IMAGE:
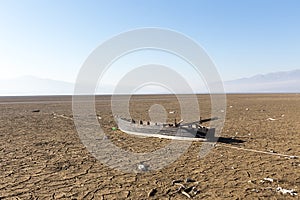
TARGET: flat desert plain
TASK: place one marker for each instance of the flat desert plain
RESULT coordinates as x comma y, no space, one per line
42,157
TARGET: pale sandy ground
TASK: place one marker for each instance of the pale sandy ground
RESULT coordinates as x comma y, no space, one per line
42,157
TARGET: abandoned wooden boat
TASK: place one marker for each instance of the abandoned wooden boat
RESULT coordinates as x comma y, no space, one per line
179,131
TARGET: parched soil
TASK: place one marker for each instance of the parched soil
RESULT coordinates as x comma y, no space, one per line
42,156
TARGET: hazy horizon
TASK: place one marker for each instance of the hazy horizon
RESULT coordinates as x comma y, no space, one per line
274,82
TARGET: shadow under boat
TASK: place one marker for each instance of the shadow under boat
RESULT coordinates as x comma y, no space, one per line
229,140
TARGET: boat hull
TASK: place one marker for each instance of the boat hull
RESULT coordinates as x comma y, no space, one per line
160,131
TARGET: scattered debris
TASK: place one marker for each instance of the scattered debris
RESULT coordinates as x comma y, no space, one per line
247,109
195,191
142,167
282,115
222,111
272,151
230,106
36,110
187,191
99,117
105,137
114,128
267,180
255,190
62,116
180,184
152,192
186,194
180,188
172,112
293,157
236,133
285,191
271,119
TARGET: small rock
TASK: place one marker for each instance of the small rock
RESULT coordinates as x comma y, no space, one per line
36,110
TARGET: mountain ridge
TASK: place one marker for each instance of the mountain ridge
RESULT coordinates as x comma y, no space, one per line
274,82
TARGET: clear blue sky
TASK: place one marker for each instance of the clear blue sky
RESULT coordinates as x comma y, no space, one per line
52,38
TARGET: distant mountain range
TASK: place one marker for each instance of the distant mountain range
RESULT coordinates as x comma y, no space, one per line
30,85
277,82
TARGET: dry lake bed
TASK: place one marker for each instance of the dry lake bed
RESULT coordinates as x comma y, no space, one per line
257,156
